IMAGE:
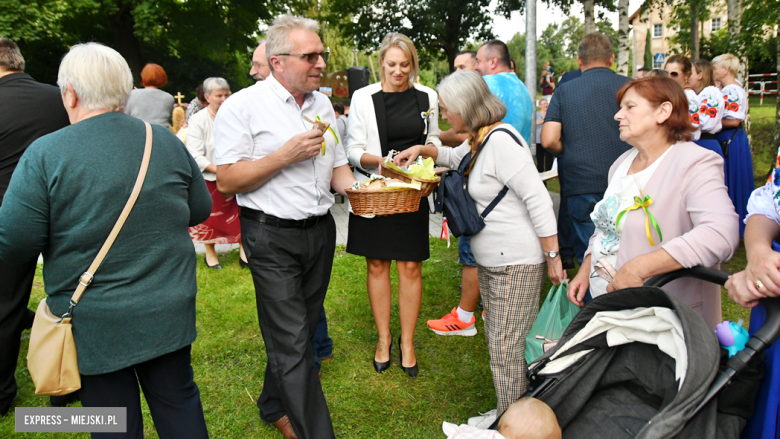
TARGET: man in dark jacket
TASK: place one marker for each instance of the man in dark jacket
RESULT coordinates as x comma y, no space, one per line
33,110
581,131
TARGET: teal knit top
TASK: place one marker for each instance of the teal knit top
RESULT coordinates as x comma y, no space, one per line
65,196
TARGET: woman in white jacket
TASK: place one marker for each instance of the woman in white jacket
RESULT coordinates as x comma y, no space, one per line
223,226
394,114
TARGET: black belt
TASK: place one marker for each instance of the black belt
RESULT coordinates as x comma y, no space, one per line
270,220
708,136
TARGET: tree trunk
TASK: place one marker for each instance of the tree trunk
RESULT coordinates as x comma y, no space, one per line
451,52
530,60
734,15
694,33
125,40
623,43
590,17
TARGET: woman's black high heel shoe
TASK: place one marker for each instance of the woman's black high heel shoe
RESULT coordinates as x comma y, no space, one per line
380,367
411,371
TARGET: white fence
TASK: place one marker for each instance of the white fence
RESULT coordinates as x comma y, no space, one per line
762,81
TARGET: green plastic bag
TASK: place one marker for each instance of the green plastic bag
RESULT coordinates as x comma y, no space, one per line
554,316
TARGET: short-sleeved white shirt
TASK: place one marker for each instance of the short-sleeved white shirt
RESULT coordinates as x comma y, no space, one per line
735,102
257,121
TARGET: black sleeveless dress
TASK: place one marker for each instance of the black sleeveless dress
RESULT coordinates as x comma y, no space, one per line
404,236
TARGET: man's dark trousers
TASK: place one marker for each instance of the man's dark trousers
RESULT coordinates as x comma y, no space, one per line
565,233
14,317
321,343
582,227
291,270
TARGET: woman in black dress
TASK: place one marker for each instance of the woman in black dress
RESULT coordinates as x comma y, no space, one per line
392,115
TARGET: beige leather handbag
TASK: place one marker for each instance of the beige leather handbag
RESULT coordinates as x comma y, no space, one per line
51,358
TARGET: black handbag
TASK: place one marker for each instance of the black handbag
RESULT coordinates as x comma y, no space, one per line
453,199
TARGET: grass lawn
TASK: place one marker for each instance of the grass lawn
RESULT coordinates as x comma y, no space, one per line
454,381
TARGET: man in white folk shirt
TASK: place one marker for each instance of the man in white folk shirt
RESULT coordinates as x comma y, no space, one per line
268,154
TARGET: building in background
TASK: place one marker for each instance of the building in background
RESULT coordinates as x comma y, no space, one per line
656,23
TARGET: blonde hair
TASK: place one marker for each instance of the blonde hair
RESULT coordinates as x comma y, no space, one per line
178,116
729,62
400,41
529,418
278,36
466,94
98,74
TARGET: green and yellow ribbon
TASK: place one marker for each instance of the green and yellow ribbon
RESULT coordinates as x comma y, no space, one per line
643,204
332,132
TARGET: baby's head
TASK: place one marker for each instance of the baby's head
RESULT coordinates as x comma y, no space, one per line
529,418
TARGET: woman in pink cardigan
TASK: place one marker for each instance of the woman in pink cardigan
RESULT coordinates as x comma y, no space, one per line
666,206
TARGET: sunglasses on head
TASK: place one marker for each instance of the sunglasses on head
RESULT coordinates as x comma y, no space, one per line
312,58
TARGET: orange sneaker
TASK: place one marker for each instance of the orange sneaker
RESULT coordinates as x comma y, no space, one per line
452,325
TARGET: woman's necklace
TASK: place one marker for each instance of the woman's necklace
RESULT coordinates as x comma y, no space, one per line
211,113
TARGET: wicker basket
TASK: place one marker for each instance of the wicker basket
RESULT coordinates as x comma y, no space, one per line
427,185
384,201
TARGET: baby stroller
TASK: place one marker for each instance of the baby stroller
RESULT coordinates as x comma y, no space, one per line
651,373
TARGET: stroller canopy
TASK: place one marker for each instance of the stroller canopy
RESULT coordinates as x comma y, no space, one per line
633,363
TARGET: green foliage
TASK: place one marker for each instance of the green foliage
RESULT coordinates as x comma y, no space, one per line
681,16
756,40
648,59
558,44
191,39
438,27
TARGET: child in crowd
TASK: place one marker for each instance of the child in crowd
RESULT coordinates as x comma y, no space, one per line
527,418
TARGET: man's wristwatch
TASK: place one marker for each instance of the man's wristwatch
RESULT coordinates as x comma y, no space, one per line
551,254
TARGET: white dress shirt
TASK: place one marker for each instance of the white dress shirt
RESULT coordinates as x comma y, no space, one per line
257,121
200,142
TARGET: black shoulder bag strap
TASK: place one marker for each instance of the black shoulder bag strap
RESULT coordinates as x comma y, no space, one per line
503,192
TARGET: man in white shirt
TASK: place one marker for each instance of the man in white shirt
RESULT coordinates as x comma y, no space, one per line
282,170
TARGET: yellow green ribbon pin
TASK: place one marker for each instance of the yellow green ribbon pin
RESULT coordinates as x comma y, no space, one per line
332,132
643,204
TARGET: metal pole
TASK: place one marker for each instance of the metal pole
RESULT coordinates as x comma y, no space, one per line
530,61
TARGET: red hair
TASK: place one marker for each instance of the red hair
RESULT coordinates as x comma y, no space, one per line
153,75
658,90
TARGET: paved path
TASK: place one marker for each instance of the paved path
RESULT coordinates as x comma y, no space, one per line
340,213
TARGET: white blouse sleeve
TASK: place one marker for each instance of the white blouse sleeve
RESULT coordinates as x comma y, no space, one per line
765,200
761,202
693,111
357,130
451,157
711,107
433,120
196,142
735,102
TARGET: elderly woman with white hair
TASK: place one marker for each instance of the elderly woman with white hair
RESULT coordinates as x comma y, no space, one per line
224,225
519,242
135,323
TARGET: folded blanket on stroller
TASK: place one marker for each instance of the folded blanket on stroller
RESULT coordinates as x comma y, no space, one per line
655,325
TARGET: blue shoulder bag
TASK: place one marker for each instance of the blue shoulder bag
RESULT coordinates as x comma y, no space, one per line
453,199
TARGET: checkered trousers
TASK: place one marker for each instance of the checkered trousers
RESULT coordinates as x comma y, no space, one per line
510,295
